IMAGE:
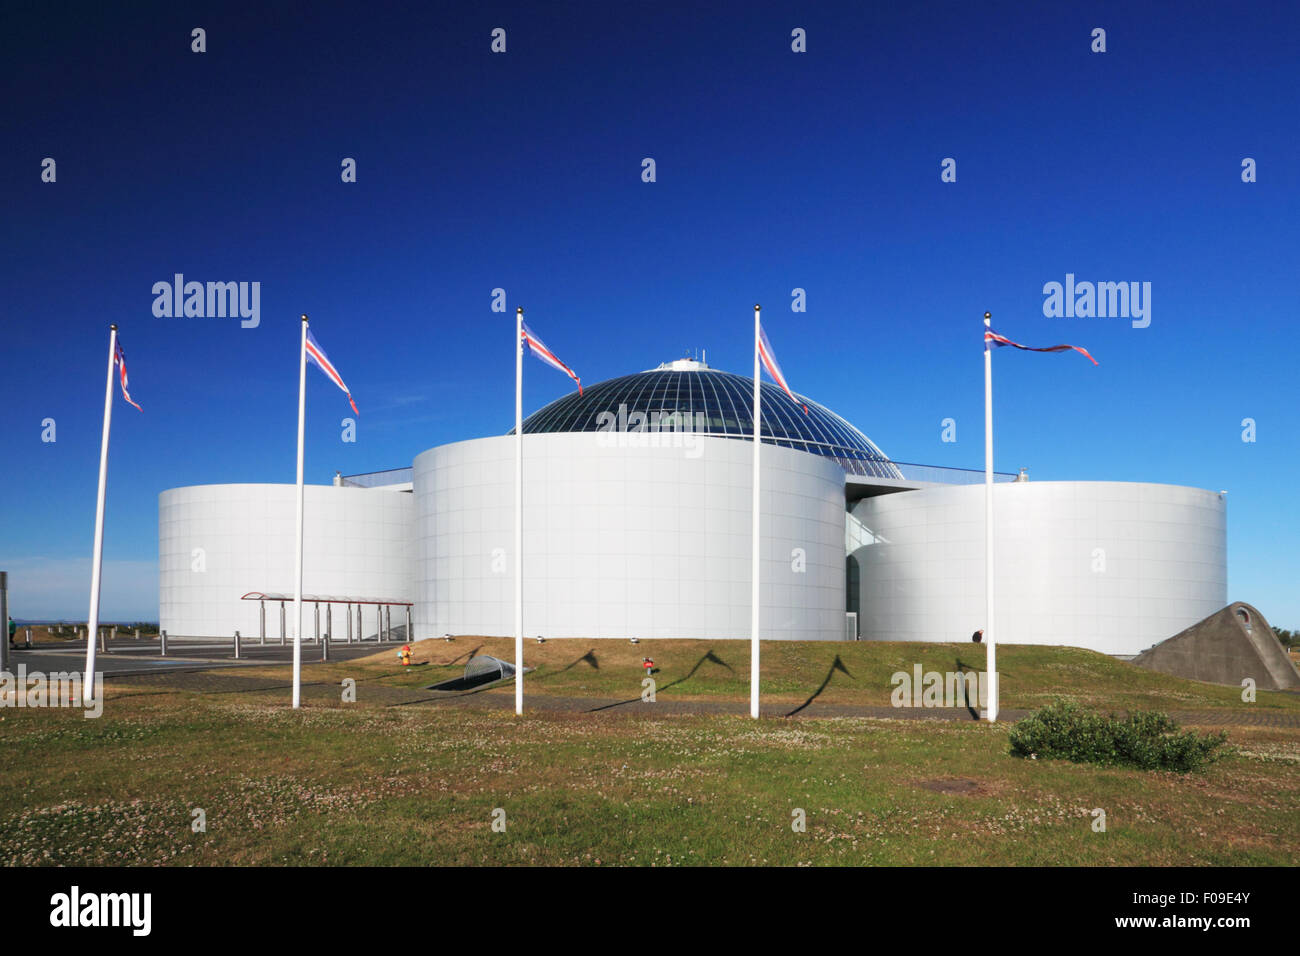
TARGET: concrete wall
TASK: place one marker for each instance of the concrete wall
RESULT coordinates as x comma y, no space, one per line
1225,648
356,542
622,538
1112,566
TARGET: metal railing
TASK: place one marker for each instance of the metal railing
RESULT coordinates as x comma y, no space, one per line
376,479
942,474
866,467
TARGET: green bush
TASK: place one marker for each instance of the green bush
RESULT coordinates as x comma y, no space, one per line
1147,740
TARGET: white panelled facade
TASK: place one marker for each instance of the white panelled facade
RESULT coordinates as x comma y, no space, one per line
1111,566
218,542
626,537
637,523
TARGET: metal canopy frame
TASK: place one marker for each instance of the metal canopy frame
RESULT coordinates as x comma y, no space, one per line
383,614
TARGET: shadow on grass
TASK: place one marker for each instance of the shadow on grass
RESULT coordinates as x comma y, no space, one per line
589,658
836,665
709,657
971,708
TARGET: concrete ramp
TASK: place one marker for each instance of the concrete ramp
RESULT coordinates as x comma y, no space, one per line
1225,648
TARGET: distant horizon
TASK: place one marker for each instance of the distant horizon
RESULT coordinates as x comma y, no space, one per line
24,622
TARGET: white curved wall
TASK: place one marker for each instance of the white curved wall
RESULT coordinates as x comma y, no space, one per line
623,539
1111,566
356,542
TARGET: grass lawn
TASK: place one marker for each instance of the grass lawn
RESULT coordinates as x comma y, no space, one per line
792,671
377,783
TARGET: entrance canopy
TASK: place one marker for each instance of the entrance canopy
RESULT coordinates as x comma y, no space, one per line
323,599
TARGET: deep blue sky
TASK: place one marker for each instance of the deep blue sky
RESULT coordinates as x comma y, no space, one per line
775,170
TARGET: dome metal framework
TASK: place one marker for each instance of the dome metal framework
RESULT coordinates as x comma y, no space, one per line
715,404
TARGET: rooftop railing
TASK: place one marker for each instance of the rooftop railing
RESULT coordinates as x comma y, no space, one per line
937,474
864,467
376,479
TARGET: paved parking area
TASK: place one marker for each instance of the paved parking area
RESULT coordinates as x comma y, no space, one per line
129,657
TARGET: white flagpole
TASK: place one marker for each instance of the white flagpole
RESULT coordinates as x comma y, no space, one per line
297,566
989,635
96,563
519,511
754,568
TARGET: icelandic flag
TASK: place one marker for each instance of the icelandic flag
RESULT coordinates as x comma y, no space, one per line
991,338
768,358
317,355
120,358
538,348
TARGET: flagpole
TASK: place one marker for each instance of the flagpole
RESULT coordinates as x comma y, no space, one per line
519,511
989,634
754,566
96,563
297,566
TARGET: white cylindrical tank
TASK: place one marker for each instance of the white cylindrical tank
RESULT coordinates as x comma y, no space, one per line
218,542
628,535
1111,566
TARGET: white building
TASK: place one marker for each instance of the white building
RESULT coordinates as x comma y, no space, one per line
637,502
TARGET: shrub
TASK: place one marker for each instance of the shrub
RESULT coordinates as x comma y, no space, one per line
1145,739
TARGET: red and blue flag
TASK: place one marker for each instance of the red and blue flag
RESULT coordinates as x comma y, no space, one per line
120,358
538,348
992,338
768,358
316,355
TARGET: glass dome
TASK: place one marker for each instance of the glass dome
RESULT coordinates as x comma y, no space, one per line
713,403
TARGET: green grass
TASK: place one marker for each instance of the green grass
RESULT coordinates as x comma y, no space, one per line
1031,676
366,783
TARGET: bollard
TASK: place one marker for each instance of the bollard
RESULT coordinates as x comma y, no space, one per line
236,645
137,634
261,621
325,647
103,640
162,642
29,638
282,610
